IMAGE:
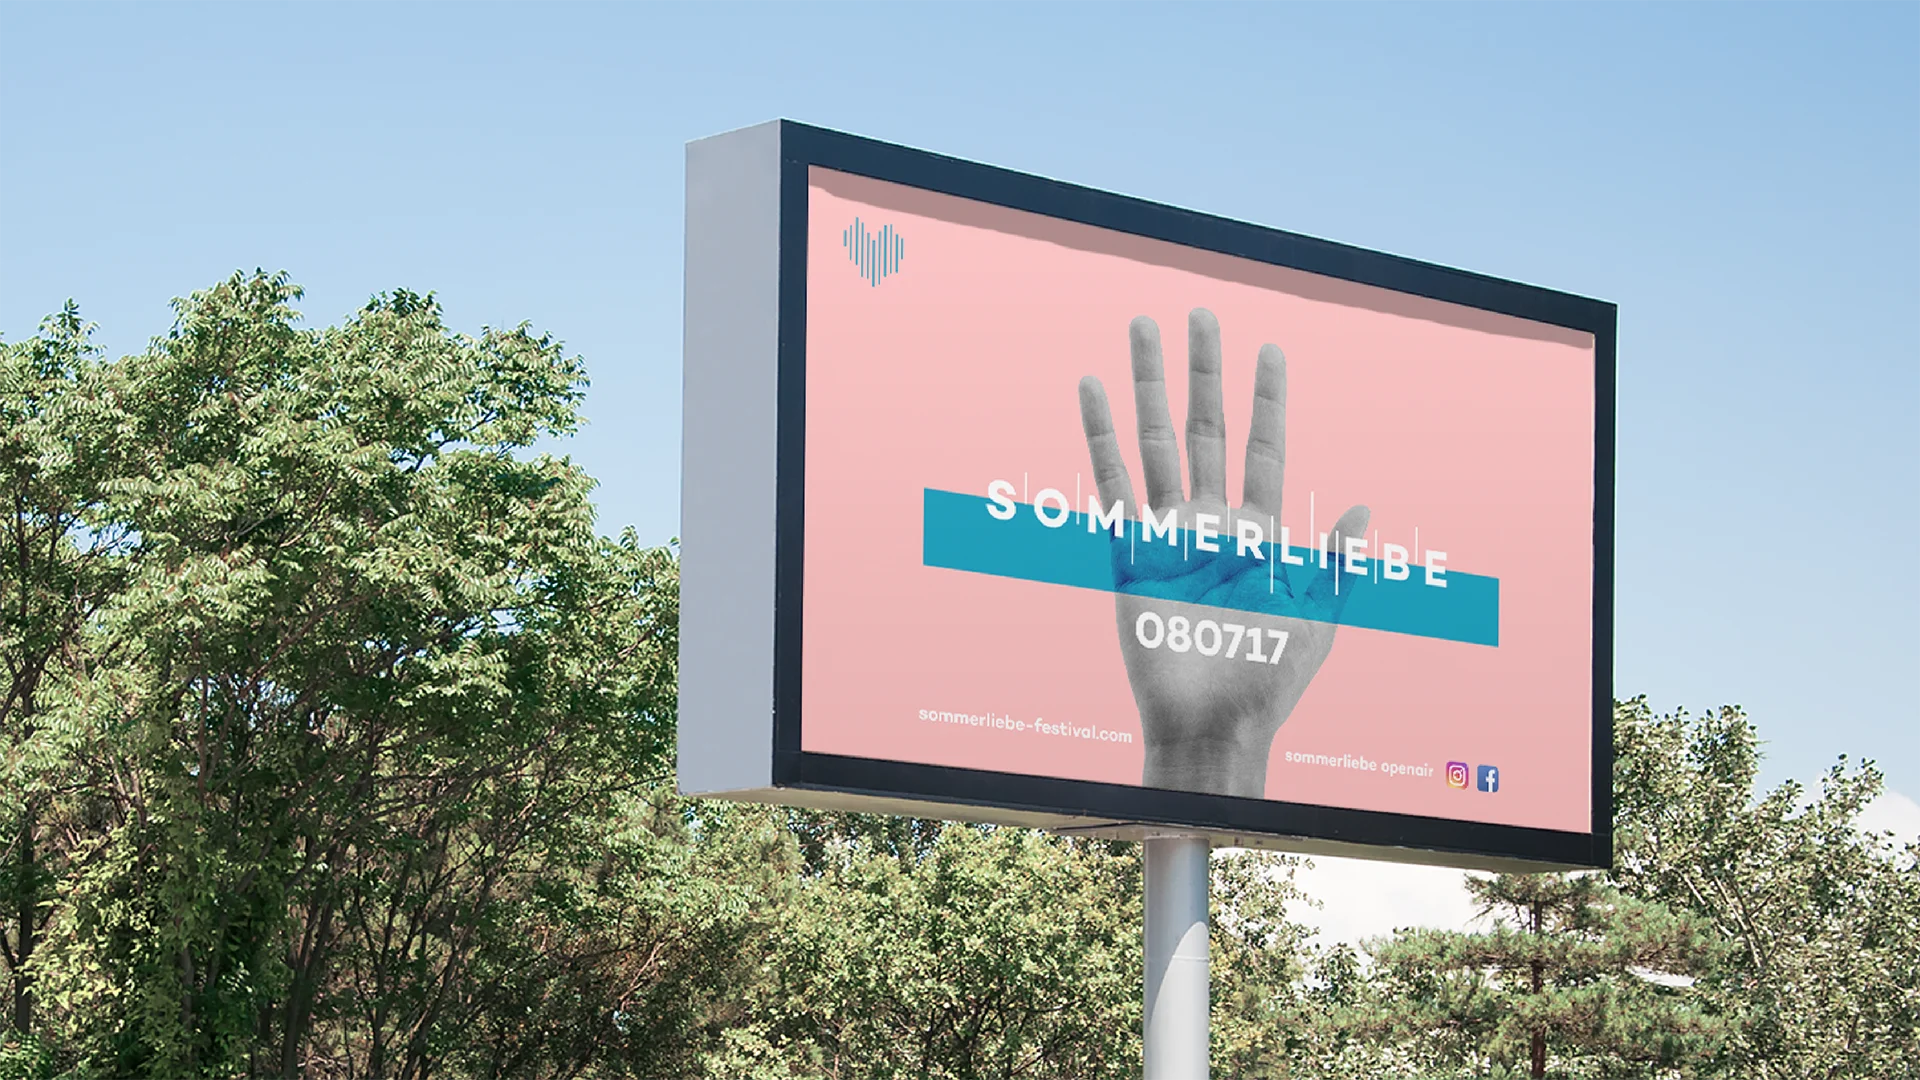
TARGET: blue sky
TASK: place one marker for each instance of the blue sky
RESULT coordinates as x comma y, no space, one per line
1744,181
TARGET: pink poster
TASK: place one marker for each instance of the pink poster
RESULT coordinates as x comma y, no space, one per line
1085,505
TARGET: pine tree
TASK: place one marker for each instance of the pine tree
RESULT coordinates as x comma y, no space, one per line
1569,971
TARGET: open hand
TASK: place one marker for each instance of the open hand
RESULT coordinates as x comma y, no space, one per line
1209,720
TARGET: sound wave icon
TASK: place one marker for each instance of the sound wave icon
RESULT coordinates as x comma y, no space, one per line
875,254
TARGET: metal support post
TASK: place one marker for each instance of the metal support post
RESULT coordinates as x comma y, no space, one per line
1177,991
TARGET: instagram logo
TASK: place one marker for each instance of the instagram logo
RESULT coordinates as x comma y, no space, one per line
1457,774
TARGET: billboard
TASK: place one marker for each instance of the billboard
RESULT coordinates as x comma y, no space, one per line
1016,501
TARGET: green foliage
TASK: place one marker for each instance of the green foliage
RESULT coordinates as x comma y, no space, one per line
917,948
358,738
63,561
979,952
1823,973
1569,968
1799,933
336,742
1258,957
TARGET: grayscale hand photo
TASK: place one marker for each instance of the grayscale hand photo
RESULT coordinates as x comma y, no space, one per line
1208,726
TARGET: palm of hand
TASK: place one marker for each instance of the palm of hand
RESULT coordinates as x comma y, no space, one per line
1236,702
1209,718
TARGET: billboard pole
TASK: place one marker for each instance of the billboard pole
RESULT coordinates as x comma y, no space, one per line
1175,1034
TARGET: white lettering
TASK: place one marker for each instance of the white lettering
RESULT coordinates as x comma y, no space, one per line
1356,562
1249,537
1393,562
1285,546
1205,534
1001,493
1111,520
1039,508
1156,527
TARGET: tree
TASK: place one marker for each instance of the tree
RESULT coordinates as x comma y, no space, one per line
1824,973
1570,968
1813,931
60,562
922,948
378,721
1260,1020
972,952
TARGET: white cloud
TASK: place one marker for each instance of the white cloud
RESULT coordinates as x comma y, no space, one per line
1360,898
1892,812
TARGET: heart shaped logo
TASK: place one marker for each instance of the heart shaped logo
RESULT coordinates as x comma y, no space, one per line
875,254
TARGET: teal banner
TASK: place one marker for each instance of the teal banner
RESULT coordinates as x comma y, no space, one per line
959,534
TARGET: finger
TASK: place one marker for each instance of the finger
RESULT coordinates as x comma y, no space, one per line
1323,594
1109,468
1206,417
1267,438
1159,450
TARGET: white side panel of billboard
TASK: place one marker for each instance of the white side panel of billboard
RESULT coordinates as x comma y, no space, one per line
730,368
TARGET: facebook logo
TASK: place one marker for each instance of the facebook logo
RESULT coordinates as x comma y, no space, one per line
1487,778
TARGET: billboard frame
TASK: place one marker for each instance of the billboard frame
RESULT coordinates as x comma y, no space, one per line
800,777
